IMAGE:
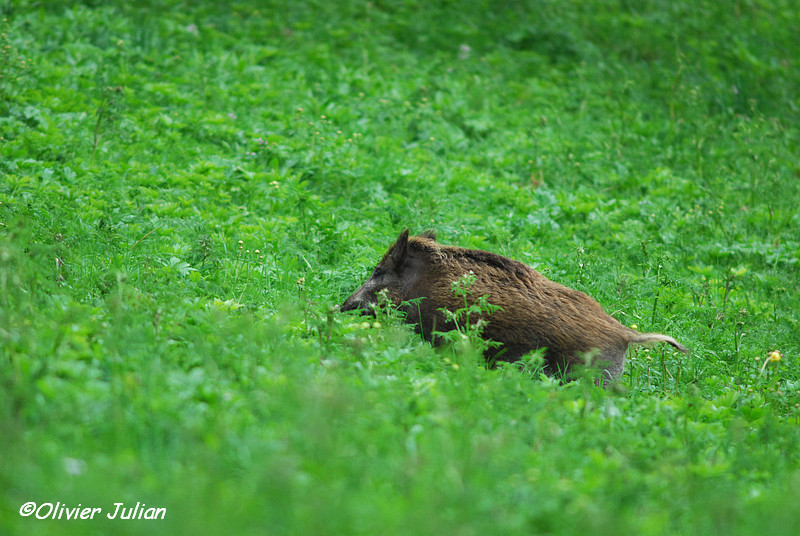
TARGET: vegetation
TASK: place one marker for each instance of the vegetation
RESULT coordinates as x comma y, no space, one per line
187,189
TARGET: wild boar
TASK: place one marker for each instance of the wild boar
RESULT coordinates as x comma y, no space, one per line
535,311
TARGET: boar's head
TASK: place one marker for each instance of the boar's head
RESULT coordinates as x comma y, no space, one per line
398,273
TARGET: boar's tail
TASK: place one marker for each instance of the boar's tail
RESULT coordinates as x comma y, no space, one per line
649,338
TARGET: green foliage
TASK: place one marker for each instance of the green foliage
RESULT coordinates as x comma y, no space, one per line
187,189
468,321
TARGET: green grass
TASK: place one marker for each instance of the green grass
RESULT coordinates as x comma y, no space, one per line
187,189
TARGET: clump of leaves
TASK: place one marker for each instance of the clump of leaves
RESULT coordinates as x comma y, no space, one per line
106,113
13,65
470,320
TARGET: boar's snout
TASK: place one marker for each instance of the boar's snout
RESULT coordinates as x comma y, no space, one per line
353,303
387,276
363,300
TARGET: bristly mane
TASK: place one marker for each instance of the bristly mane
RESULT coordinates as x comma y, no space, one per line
469,256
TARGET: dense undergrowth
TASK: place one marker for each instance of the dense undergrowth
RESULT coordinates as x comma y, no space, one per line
188,189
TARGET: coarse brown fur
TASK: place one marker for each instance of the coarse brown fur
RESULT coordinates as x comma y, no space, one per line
535,311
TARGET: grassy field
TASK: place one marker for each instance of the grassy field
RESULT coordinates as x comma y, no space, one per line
187,189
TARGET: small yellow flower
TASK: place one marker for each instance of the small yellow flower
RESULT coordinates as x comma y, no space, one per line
634,326
773,356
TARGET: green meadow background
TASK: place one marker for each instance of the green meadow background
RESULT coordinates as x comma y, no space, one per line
187,190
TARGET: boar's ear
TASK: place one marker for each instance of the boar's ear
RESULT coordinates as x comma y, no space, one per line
430,233
400,249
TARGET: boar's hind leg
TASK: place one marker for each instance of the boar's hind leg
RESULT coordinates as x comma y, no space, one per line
611,362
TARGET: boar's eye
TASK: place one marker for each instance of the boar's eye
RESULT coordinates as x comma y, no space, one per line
378,272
